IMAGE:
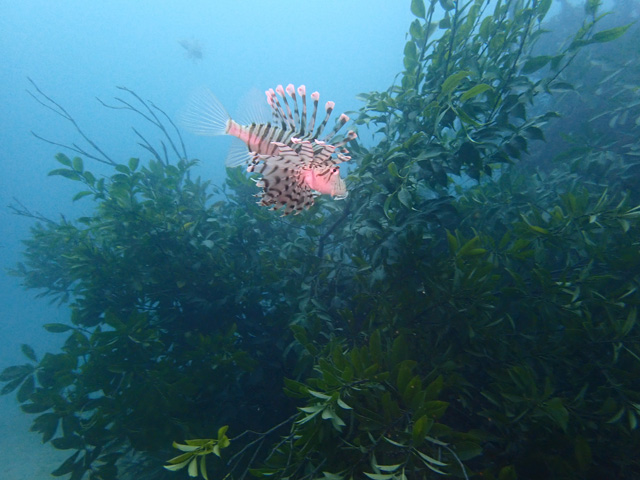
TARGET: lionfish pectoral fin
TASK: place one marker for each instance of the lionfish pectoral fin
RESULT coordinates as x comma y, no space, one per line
238,154
204,114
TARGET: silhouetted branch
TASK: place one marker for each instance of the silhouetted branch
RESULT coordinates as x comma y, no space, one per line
259,441
47,102
23,211
340,219
151,116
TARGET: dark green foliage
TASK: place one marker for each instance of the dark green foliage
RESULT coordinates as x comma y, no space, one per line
469,311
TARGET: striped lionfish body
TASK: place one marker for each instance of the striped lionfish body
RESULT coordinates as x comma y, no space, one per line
294,163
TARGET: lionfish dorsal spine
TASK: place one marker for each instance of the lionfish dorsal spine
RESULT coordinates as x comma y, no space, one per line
305,151
291,90
322,154
288,116
339,124
328,108
278,113
351,135
302,91
315,96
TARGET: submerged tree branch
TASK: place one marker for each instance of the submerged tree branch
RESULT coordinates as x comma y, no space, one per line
339,220
47,102
151,116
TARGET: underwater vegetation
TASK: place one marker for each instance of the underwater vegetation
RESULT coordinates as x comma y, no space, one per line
469,311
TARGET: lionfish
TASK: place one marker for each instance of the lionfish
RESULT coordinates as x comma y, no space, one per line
294,163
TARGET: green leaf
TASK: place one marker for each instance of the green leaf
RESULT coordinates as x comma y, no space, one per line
203,467
388,468
451,83
416,30
133,164
186,448
582,453
430,461
224,442
485,27
343,405
28,352
433,389
67,466
633,419
474,91
435,408
36,407
629,322
16,372
386,207
47,425
379,476
591,7
88,176
393,169
63,172
68,443
536,63
543,8
405,197
609,35
467,450
453,243
222,431
193,467
11,386
63,159
508,473
57,327
417,8
534,133
618,415
414,386
538,229
420,429
26,389
78,165
557,412
447,4
319,395
81,194
392,442
467,247
180,461
410,55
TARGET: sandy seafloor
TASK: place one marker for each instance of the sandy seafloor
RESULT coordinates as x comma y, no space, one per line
23,456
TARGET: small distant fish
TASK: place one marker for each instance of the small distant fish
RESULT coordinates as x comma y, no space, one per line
193,49
294,164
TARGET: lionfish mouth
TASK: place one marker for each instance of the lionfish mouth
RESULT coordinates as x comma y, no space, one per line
342,196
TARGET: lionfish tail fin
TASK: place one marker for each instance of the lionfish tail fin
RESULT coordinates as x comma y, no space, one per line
205,115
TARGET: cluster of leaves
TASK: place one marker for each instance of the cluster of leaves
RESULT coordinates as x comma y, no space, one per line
470,309
175,308
367,412
520,290
198,449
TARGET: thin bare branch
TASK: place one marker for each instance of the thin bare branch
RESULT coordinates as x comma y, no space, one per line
150,113
58,109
